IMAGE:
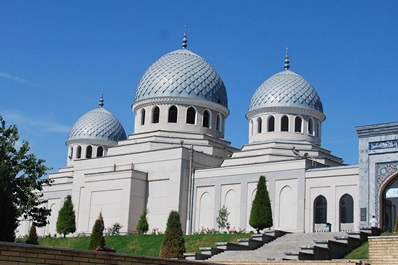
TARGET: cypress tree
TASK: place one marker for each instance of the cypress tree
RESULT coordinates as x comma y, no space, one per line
32,238
142,225
97,234
173,245
66,221
261,212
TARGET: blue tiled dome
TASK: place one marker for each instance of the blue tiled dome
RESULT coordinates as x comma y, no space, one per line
286,89
182,73
97,125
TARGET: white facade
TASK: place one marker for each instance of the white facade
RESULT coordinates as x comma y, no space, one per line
177,158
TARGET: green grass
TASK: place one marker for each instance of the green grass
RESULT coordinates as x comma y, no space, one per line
143,245
362,252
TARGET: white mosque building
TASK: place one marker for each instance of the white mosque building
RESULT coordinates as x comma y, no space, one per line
177,158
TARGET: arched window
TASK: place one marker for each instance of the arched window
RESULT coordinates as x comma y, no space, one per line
346,206
155,114
172,114
297,124
219,123
100,151
78,151
310,127
89,151
191,115
285,124
271,124
142,116
206,119
259,125
71,152
320,210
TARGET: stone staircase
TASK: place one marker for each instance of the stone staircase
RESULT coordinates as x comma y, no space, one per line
279,245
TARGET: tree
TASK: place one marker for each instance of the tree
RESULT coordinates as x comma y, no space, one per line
21,184
97,234
66,221
32,238
222,218
142,225
173,245
261,212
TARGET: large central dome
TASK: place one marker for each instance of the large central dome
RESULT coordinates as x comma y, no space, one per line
182,73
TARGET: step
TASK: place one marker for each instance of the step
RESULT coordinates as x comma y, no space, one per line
263,238
250,243
231,246
195,256
210,250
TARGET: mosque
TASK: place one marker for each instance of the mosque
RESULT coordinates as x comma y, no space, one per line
177,158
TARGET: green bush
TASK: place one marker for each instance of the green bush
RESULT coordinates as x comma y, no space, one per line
142,225
97,235
261,212
173,245
66,221
32,238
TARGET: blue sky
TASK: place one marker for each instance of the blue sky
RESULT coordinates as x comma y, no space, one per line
56,58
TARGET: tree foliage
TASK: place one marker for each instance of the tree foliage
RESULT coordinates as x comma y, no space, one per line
222,218
173,245
261,212
21,184
33,239
97,234
142,225
66,221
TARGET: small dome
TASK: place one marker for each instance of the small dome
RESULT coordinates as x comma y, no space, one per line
182,73
286,89
97,126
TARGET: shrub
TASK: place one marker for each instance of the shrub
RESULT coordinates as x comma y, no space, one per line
173,245
222,219
261,212
66,221
142,225
97,235
32,238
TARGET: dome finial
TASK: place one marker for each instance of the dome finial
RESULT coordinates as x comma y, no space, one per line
101,101
184,40
287,62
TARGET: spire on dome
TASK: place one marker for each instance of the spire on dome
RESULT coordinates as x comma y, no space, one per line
287,62
184,40
101,101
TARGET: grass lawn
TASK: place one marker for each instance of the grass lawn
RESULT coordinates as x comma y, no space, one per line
143,245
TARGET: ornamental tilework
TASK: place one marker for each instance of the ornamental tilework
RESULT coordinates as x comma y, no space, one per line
383,145
383,171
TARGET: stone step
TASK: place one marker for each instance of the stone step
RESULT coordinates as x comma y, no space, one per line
195,256
250,243
210,250
231,246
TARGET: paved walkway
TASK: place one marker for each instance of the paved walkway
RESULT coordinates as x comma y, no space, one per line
277,248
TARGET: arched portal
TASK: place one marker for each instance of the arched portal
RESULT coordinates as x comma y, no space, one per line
320,213
389,204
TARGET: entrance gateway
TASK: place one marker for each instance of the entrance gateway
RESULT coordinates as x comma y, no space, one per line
378,174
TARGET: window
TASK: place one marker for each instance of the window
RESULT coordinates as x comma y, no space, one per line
89,151
320,210
142,116
219,123
206,119
285,124
100,151
297,124
191,115
155,114
78,151
172,114
346,209
71,153
310,127
259,125
271,124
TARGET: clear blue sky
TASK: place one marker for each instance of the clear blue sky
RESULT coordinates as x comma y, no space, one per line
56,57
